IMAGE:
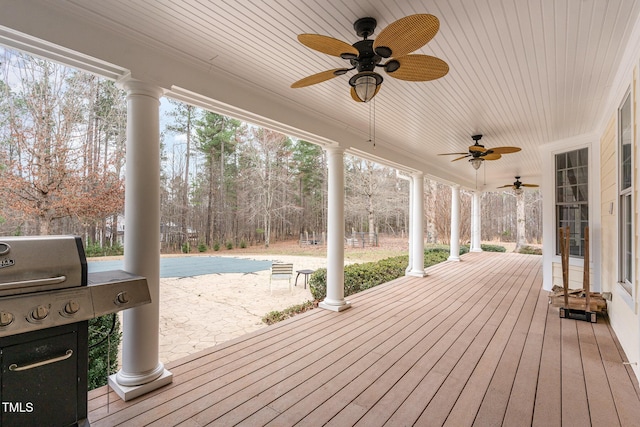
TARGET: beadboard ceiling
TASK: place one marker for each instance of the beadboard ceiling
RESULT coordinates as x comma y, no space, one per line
522,73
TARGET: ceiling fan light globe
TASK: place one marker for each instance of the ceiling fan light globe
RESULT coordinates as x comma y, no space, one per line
476,162
365,85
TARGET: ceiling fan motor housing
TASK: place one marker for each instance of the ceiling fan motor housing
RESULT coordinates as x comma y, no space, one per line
517,184
367,58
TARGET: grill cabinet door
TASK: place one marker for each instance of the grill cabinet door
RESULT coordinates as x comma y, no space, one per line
40,395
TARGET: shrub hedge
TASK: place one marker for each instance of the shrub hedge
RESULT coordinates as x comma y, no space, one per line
359,277
530,250
488,248
277,316
102,350
93,249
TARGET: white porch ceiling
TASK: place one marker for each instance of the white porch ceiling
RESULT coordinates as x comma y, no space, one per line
522,73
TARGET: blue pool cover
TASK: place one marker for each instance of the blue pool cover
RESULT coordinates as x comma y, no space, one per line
191,266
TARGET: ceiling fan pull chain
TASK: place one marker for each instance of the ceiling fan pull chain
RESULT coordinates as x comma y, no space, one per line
374,123
369,129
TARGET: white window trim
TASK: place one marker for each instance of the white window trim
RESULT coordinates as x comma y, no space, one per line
588,203
620,289
549,258
573,261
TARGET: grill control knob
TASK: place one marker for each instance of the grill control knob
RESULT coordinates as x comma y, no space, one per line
71,307
6,318
40,312
122,298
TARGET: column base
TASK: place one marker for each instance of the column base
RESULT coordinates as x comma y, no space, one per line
453,258
417,273
476,250
336,308
131,392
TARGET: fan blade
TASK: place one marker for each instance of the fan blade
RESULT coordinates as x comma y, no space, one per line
529,185
316,78
451,154
492,156
460,158
326,44
355,97
477,148
405,35
506,150
419,68
506,186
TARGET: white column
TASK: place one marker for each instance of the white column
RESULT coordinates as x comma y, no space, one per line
141,370
417,221
521,228
475,223
335,232
454,254
411,225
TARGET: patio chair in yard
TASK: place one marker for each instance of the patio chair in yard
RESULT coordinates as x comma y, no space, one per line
281,272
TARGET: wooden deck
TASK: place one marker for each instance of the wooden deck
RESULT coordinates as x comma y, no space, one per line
473,343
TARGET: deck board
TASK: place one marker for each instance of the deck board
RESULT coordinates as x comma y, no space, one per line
495,373
473,343
548,397
622,388
440,406
575,407
602,408
440,360
521,397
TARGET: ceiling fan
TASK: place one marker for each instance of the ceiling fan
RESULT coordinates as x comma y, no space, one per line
396,42
478,153
518,185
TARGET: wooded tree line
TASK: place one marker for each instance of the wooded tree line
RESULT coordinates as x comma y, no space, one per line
62,145
62,137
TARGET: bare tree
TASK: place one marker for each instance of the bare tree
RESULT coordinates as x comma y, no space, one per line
184,116
44,176
266,157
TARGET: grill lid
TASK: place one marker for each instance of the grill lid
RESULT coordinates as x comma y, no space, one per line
41,263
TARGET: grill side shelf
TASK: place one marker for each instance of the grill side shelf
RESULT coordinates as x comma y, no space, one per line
116,290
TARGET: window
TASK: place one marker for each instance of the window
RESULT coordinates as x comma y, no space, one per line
625,191
572,198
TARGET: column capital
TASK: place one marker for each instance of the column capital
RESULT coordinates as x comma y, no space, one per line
335,149
139,87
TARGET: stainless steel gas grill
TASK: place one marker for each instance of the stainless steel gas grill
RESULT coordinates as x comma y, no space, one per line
46,300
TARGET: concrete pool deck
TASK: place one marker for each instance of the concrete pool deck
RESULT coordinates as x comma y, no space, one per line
199,312
202,311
